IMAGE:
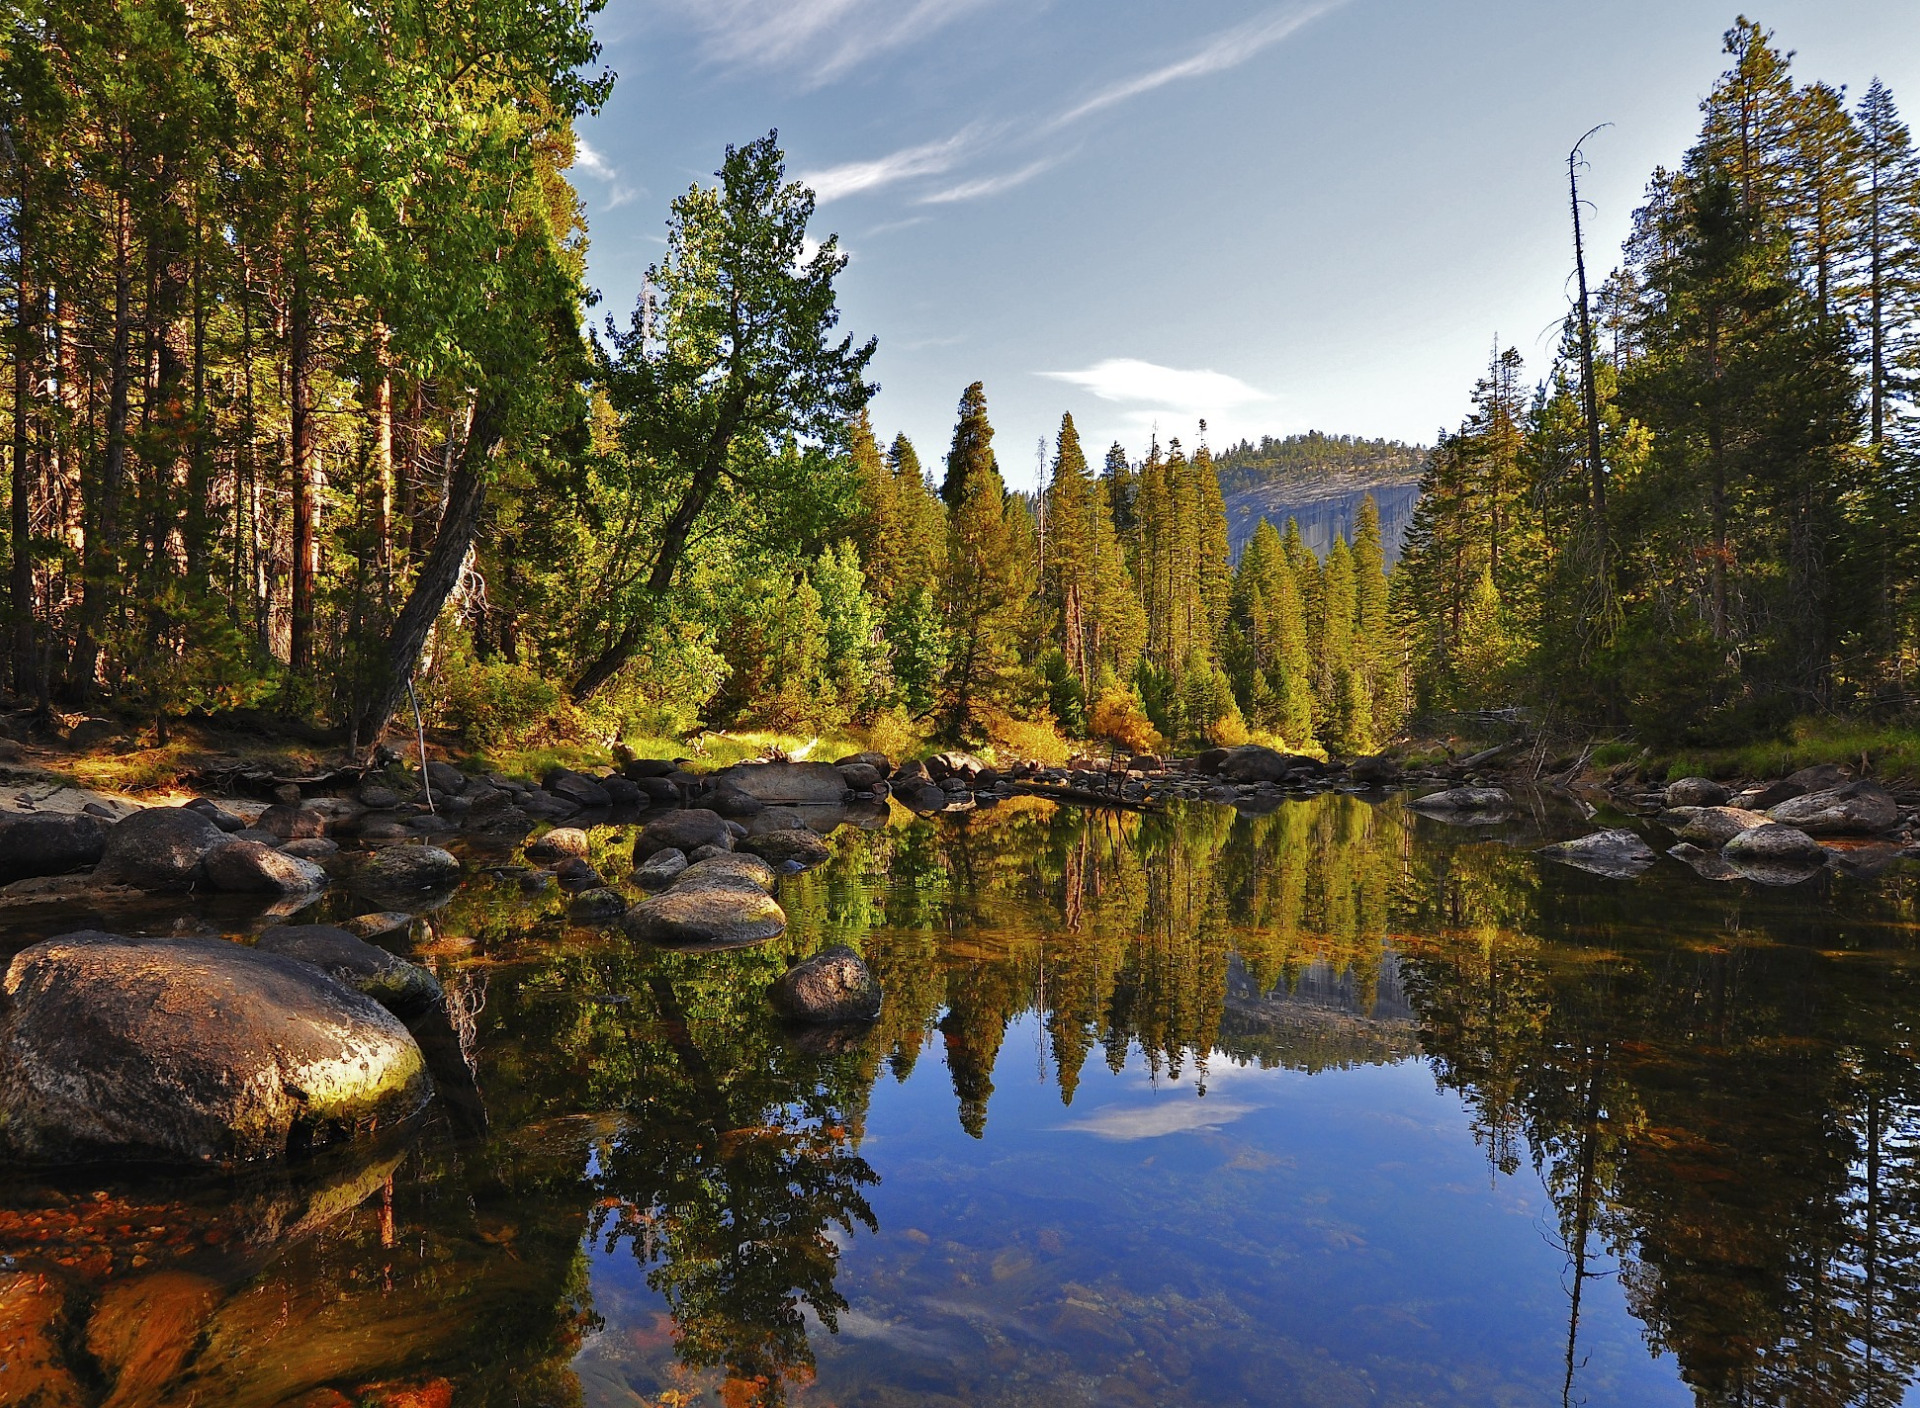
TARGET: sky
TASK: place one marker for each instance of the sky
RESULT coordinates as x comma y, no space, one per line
1276,217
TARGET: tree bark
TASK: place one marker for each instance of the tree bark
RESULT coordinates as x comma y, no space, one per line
439,575
299,350
101,551
20,577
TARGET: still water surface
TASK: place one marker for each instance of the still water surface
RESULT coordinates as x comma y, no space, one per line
1337,1105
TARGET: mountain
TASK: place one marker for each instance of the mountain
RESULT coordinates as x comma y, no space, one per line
1320,480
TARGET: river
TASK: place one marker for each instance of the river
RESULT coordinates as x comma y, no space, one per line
1334,1105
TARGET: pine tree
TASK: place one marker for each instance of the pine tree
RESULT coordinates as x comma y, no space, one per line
989,582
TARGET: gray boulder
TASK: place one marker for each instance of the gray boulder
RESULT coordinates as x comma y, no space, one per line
403,988
192,1049
578,789
1375,771
707,916
732,803
681,831
805,784
292,823
700,853
792,849
48,843
1618,854
1715,826
1853,809
964,766
402,868
1772,844
833,986
622,792
372,926
860,777
220,816
447,780
561,841
1708,864
249,868
1696,792
920,796
1255,763
661,869
313,848
1488,802
161,848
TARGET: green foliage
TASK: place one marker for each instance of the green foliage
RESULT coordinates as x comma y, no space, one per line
494,704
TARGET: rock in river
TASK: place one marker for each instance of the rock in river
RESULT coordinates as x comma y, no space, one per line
247,867
404,989
685,831
1696,792
1774,853
726,870
660,869
1856,809
161,848
1465,802
1715,826
708,916
833,986
48,843
1618,853
192,1049
400,868
815,784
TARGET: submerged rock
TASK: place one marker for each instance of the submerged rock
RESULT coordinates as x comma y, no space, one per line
372,926
1618,854
247,867
1707,864
49,843
832,986
593,906
1855,809
193,1049
708,916
403,988
795,848
161,848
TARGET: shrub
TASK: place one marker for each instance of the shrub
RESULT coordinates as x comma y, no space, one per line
1119,717
495,704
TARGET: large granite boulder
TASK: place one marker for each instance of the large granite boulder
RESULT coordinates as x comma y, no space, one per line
579,789
1618,854
1853,809
660,869
558,843
403,988
292,823
1774,846
162,848
191,1049
250,868
802,784
49,843
1255,763
728,870
684,831
832,986
711,916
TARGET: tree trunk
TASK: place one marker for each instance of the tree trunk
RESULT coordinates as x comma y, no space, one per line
101,551
20,578
439,575
299,350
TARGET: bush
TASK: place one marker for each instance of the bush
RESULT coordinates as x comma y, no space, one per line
1119,717
494,704
1021,738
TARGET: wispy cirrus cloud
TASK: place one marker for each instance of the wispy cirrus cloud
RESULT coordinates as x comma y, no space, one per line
1157,1119
993,185
906,164
1170,399
813,41
1226,50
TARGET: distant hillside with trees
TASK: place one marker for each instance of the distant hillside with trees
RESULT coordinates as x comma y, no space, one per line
1320,481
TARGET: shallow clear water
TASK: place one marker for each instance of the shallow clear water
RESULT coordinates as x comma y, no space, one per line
1336,1105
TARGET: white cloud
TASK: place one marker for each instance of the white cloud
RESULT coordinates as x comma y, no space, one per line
1226,50
815,41
590,161
927,159
992,185
1129,380
1165,1116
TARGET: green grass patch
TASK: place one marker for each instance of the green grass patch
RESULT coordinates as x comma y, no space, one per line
1888,752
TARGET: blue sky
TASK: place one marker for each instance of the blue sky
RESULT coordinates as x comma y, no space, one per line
1275,216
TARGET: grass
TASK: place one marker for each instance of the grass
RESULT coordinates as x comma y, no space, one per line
1888,752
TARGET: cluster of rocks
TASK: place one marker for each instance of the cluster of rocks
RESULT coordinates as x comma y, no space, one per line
1250,777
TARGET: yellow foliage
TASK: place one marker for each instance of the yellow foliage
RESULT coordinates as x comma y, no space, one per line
1118,717
1022,738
